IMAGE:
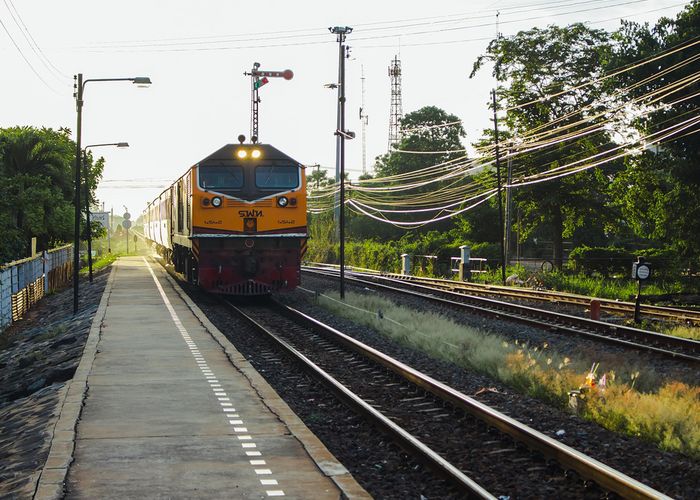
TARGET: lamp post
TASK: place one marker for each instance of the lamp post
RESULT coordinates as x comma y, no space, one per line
79,88
87,197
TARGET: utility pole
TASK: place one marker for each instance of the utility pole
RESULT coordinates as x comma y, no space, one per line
109,231
78,157
364,119
498,182
509,205
87,215
342,134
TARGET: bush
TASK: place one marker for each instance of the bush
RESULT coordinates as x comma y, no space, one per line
602,260
665,262
373,255
489,251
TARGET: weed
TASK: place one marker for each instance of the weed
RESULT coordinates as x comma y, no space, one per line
633,401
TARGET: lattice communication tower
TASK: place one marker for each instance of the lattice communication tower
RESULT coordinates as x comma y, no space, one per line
396,110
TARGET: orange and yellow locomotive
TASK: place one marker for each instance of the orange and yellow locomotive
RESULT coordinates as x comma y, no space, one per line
234,223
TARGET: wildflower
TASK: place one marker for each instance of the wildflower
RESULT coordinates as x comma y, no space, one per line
549,361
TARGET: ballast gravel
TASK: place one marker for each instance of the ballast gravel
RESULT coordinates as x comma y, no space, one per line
671,473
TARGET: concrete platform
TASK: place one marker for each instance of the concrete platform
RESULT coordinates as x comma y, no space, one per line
172,410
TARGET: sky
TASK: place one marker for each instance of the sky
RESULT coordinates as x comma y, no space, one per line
196,53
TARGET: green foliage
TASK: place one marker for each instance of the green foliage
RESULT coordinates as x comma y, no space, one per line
609,261
417,136
659,193
532,65
36,195
605,261
623,288
36,166
650,199
489,251
373,255
666,263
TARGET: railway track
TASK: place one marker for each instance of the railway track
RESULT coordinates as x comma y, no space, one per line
494,455
674,314
676,347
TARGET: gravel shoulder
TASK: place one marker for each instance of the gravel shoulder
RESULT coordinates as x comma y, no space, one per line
38,356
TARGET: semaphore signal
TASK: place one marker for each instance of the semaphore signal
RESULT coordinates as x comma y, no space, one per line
259,78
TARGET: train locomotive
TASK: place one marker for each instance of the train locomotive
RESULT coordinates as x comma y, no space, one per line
235,222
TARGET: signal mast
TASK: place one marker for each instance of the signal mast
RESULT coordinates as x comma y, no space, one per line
259,78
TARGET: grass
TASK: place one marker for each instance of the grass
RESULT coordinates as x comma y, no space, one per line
594,286
103,258
634,401
688,332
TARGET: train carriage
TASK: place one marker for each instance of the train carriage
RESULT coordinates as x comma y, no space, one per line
235,222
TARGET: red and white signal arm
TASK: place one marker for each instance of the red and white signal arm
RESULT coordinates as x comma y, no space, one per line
287,74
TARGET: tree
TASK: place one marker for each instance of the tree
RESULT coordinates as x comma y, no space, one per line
423,131
530,67
317,179
659,194
36,192
430,130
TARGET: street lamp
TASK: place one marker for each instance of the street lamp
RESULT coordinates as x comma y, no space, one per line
87,196
79,88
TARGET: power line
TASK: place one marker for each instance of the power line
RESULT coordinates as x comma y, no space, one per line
489,38
27,60
32,42
315,32
183,47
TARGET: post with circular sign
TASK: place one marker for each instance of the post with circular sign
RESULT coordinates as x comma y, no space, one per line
126,224
641,271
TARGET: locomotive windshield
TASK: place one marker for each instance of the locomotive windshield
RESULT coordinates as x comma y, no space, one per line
220,177
277,177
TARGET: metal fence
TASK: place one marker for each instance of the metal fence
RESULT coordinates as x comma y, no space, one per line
24,282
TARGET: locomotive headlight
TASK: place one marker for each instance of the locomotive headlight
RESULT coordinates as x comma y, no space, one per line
255,153
242,153
282,201
216,201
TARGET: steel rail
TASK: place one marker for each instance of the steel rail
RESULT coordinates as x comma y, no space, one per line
675,314
669,313
540,318
587,467
404,438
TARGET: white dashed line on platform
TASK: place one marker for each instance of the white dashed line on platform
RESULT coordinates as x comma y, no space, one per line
219,393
